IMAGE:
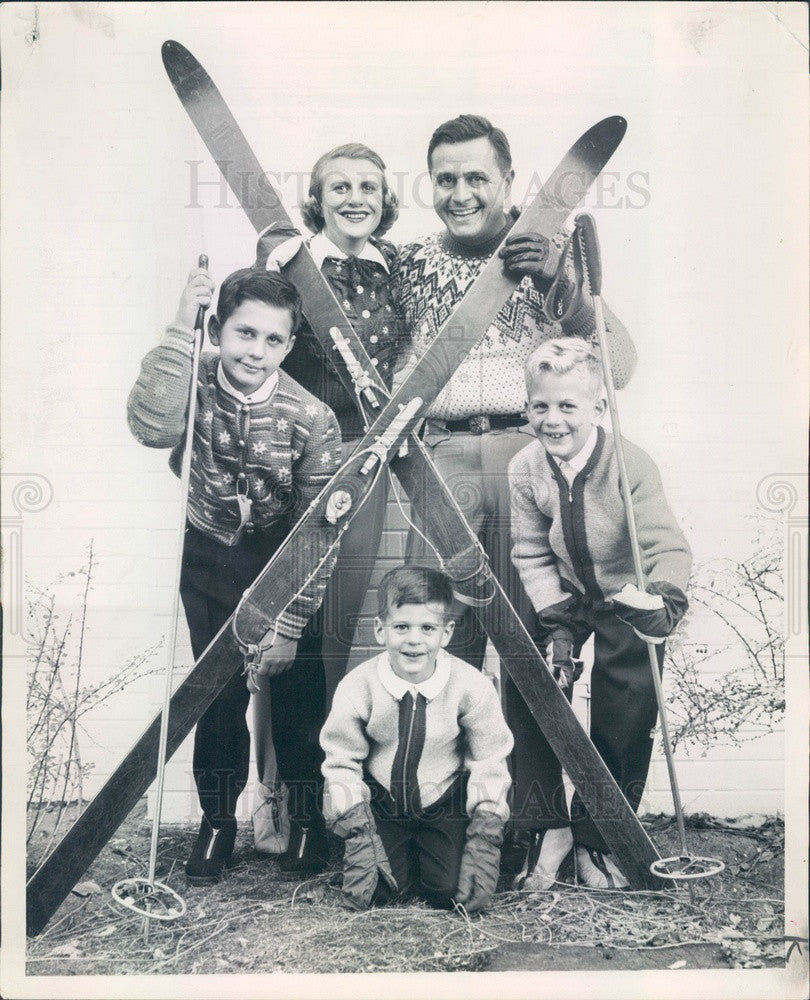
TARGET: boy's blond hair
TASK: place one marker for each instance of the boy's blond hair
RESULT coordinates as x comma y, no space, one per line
561,356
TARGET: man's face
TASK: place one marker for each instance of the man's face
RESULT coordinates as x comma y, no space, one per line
253,341
470,189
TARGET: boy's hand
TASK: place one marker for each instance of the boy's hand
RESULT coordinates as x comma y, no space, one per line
565,668
652,614
480,861
274,660
367,875
199,291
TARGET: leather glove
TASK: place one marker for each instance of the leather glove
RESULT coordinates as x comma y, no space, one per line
558,619
652,614
480,860
532,254
565,668
365,863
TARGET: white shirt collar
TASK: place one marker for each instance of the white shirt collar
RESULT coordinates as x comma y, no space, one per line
580,460
398,688
321,247
260,395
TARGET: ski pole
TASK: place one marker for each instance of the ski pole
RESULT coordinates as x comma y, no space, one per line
590,256
185,475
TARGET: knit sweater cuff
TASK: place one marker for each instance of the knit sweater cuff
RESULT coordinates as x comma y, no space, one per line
179,338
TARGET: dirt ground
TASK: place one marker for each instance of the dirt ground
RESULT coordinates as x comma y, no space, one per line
255,921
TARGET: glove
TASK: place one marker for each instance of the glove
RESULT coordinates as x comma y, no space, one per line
652,614
558,619
532,254
565,668
365,863
480,860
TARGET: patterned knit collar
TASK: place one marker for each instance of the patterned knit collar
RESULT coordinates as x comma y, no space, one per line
482,251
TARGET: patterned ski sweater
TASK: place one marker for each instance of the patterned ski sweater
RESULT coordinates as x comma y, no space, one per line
575,539
431,278
415,746
281,452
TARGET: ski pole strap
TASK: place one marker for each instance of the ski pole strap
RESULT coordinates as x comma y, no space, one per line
563,297
470,564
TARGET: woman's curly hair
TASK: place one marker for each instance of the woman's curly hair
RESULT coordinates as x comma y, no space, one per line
311,211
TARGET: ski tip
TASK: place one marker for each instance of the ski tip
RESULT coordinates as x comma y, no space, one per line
173,52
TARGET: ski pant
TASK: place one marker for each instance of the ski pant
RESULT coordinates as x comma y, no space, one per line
326,643
213,579
424,851
623,711
474,467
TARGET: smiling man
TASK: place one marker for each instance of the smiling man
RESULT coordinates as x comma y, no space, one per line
477,423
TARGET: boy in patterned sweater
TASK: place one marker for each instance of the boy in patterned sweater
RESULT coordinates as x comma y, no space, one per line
571,546
416,747
263,449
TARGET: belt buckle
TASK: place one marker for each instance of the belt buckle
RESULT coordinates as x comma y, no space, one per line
479,424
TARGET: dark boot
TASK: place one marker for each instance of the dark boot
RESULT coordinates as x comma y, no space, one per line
212,852
308,852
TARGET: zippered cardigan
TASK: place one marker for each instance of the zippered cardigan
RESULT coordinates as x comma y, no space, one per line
575,539
416,748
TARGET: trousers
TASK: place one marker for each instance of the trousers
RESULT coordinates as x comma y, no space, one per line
424,851
213,579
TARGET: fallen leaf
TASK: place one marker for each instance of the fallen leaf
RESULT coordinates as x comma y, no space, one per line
681,964
764,923
87,889
109,929
68,950
734,919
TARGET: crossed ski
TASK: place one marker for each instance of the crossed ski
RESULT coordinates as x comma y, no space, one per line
450,533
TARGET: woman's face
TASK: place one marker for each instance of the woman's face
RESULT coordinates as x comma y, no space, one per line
351,201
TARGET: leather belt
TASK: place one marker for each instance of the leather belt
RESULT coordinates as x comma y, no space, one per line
480,423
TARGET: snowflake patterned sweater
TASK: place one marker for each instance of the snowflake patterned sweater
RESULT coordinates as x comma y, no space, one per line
281,451
431,278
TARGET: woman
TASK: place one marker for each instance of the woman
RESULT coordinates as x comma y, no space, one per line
350,205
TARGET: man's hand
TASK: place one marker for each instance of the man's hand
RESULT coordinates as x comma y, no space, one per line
532,254
199,291
274,660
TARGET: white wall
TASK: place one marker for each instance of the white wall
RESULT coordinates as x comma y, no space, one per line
709,272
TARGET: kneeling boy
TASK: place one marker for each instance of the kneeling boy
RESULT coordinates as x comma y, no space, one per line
416,747
571,546
263,449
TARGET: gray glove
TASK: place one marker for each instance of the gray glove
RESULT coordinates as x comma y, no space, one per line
480,861
365,863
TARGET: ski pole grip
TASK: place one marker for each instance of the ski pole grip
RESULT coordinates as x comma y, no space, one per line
199,322
591,255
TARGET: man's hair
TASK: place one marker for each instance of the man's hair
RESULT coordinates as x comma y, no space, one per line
561,356
467,127
311,211
413,585
261,286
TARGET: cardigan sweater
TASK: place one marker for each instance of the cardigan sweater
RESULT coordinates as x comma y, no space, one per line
574,539
280,452
415,746
431,277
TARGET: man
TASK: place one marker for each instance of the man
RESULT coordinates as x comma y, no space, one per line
477,422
